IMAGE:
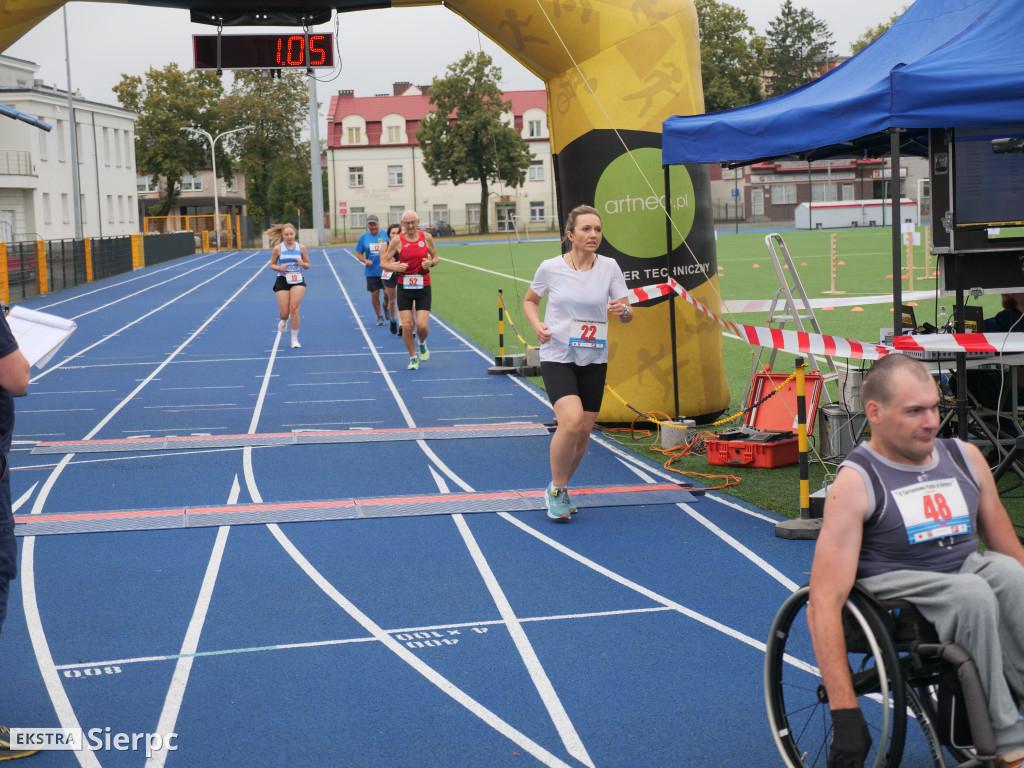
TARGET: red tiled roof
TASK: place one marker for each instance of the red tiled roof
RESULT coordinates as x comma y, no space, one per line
374,108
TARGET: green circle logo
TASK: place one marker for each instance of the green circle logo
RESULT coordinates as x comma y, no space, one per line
630,197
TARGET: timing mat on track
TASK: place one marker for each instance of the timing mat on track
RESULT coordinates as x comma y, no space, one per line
342,509
303,437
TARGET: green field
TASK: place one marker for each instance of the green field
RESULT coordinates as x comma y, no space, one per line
468,281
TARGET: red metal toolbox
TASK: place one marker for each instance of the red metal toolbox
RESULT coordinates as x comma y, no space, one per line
776,413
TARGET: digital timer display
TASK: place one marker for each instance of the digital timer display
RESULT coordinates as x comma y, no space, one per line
284,51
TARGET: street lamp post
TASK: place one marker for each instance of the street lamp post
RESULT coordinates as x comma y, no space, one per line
213,160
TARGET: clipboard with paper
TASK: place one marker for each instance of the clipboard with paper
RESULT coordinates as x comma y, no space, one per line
39,334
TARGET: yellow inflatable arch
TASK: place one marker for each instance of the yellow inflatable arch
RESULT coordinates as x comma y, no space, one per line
614,70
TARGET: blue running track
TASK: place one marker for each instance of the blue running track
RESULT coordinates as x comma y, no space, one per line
315,557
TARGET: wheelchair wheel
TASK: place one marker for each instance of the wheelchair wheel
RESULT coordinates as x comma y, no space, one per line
795,697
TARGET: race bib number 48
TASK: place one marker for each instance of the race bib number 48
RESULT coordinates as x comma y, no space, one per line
932,510
590,334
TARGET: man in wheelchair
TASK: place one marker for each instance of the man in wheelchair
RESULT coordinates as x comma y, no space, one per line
902,519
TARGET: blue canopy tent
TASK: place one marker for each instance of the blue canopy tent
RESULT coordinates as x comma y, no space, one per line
942,64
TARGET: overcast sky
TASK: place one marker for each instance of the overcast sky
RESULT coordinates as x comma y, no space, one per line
111,39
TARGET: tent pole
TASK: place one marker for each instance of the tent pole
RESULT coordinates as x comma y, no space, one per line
897,251
672,296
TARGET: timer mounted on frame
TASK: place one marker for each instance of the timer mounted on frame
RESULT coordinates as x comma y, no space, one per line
273,52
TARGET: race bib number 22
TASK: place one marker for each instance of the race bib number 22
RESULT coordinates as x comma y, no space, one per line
590,334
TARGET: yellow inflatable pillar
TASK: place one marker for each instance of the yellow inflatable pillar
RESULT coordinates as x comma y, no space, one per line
5,281
614,70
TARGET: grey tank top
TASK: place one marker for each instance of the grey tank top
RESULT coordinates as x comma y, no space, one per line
886,546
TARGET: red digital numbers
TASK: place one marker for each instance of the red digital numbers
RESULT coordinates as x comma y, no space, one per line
291,51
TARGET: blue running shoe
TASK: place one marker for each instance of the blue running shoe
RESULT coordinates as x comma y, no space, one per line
557,501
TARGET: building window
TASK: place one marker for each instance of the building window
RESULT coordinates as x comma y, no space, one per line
536,170
783,194
62,145
355,176
47,213
117,148
144,184
394,134
358,217
82,207
191,183
106,146
440,213
819,192
473,213
131,209
110,209
395,214
355,136
65,207
534,129
395,176
120,208
848,192
42,144
536,210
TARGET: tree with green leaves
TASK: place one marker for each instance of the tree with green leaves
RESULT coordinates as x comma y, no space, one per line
729,52
464,138
798,46
290,191
873,33
278,107
166,101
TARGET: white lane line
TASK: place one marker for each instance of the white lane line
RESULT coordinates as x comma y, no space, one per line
428,672
748,553
23,498
351,640
553,704
33,620
716,625
247,470
51,678
183,668
115,284
394,389
183,294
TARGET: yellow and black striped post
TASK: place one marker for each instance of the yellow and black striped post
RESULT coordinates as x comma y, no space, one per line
801,432
803,527
501,325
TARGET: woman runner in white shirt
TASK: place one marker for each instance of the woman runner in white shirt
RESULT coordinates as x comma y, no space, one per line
583,288
289,259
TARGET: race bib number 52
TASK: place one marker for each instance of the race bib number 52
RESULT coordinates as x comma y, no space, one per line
590,334
412,282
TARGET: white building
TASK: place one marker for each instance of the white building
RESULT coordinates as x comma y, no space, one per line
35,165
375,165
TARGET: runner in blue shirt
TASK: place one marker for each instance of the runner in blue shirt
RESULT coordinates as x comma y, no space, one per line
368,250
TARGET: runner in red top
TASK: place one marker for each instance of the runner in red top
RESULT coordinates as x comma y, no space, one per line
411,254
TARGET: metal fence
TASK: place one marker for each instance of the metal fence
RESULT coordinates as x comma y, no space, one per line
161,248
22,262
111,256
65,264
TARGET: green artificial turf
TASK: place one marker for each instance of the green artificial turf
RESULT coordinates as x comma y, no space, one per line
466,295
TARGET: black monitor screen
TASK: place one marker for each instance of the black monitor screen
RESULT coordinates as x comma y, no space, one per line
988,186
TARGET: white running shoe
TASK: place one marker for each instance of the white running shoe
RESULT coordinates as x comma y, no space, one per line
295,344
282,326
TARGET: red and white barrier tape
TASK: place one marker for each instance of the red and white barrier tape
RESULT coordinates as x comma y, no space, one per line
799,342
